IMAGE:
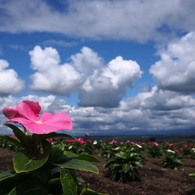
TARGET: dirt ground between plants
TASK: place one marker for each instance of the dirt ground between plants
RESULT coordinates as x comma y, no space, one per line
154,180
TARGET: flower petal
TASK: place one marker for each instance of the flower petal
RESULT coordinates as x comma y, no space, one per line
29,109
59,120
23,121
10,112
26,113
50,123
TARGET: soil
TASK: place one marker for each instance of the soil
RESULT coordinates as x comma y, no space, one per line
154,180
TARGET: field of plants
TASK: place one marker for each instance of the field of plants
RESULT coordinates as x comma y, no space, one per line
123,168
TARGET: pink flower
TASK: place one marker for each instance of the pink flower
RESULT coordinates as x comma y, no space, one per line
113,141
50,140
154,143
79,140
130,142
185,146
176,150
70,140
27,114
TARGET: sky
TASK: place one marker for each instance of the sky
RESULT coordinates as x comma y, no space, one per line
115,66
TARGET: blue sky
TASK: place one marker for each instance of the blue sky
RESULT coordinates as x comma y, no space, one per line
115,66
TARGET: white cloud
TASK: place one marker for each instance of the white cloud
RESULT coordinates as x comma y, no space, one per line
9,81
159,99
97,84
153,109
176,68
106,87
50,75
140,20
86,61
161,109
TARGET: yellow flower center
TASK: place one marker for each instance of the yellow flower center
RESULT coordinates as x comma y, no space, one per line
39,122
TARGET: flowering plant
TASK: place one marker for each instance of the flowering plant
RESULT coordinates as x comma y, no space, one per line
172,159
78,146
39,167
154,149
123,165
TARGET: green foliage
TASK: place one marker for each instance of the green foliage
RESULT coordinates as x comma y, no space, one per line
69,183
171,160
154,150
191,190
109,150
124,165
10,142
42,168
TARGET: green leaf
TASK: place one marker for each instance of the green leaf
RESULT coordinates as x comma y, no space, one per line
121,155
190,191
79,165
30,187
87,191
69,184
125,167
24,140
8,182
23,163
70,154
192,175
12,140
6,175
87,157
139,164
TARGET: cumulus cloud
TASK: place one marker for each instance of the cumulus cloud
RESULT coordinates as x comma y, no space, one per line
162,109
176,68
50,75
159,99
106,87
10,83
151,110
96,83
102,19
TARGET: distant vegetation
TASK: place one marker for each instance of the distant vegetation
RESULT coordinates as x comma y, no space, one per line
158,138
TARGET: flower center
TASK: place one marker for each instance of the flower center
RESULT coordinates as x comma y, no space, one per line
39,122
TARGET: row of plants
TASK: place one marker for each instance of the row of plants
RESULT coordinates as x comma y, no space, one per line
169,154
123,159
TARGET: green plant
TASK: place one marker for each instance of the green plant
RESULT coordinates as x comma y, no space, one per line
191,190
124,166
6,142
171,160
109,150
154,150
40,167
192,153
